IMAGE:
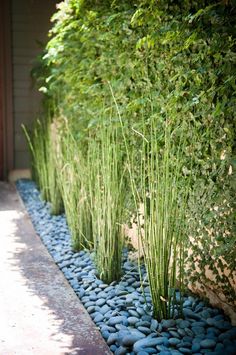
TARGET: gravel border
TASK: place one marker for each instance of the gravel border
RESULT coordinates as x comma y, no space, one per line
120,310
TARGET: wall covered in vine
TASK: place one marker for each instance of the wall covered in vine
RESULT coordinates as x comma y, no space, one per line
172,60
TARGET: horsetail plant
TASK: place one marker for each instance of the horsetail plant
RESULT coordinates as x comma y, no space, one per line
163,193
73,169
40,142
107,191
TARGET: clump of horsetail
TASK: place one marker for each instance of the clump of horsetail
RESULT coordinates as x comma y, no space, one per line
44,171
107,191
162,194
72,167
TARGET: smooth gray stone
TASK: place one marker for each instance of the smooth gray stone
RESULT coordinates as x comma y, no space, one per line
124,313
121,292
133,320
121,351
165,334
112,338
113,348
147,342
93,297
98,318
147,308
185,351
213,331
154,324
65,264
122,333
143,323
133,313
223,325
129,339
98,282
174,334
137,332
211,321
102,294
189,339
140,311
198,330
115,320
225,335
206,314
111,304
219,317
89,304
219,347
208,343
168,323
189,332
105,334
130,289
129,301
198,338
181,332
196,347
142,299
108,288
146,318
174,341
104,309
91,309
131,280
100,302
187,303
144,330
109,329
120,327
188,313
201,323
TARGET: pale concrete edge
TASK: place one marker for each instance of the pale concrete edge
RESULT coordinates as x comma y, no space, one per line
95,328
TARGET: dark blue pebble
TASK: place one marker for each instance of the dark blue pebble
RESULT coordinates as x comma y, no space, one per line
185,351
202,326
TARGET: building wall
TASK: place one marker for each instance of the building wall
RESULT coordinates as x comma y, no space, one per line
30,25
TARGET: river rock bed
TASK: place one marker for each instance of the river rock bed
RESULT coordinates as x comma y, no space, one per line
121,310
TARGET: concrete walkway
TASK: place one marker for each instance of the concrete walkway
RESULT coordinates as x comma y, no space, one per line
39,312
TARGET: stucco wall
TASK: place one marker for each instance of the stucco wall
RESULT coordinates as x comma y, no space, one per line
30,25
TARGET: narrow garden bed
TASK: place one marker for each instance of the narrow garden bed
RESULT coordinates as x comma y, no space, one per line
123,310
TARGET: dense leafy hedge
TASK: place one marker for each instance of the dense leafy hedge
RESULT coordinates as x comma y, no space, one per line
172,61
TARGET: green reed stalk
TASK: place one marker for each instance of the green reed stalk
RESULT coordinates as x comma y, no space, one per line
37,143
164,222
163,191
72,171
107,191
43,163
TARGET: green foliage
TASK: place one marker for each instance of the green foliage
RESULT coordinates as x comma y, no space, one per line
161,211
107,195
73,181
40,141
167,61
